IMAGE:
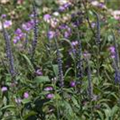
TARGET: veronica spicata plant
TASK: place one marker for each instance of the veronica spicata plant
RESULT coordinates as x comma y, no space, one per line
35,39
9,51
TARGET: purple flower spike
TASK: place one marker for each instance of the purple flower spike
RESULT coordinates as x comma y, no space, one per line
3,89
72,83
26,95
50,96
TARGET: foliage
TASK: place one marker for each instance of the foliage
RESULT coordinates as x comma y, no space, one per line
74,72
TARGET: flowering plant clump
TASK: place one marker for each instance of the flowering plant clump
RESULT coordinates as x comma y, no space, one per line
59,60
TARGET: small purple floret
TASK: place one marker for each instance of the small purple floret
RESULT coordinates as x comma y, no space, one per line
72,83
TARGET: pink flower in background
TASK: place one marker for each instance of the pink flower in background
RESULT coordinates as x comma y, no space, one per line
7,23
19,1
116,14
26,95
50,96
98,4
62,2
48,88
72,83
112,56
112,49
93,24
47,17
66,34
38,72
74,43
86,55
95,3
54,22
3,89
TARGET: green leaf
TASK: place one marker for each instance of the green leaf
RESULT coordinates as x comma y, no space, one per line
26,100
29,115
42,79
107,113
5,100
115,109
75,102
55,69
100,115
68,70
7,107
68,108
112,20
31,68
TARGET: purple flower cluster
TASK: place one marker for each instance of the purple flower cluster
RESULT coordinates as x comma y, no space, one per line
77,19
38,72
49,95
74,43
72,51
7,23
51,34
28,25
19,35
98,4
64,7
66,29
